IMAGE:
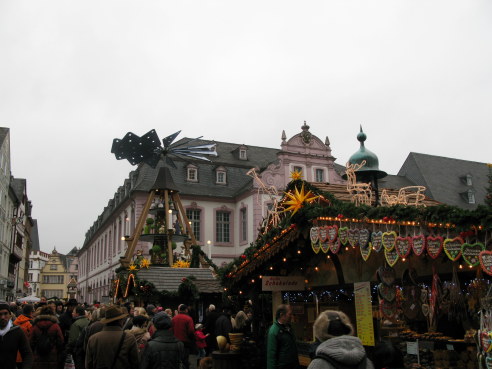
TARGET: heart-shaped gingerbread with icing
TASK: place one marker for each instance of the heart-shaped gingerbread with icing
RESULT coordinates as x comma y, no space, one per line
452,247
471,252
389,240
335,246
391,257
486,261
377,241
364,236
387,275
365,252
315,247
314,234
403,246
332,233
343,235
323,233
325,246
353,237
418,244
434,246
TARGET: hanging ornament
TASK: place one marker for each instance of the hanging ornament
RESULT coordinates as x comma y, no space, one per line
391,257
434,246
364,236
297,199
335,246
365,251
471,252
403,246
486,261
389,240
332,233
418,244
353,237
452,247
323,234
325,246
343,235
377,241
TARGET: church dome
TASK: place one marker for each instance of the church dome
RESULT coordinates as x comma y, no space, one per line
372,161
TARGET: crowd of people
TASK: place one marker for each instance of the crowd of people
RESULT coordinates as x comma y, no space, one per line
55,335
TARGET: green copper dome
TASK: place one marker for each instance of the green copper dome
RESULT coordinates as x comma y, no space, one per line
372,161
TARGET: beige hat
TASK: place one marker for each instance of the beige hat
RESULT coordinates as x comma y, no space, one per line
331,323
113,313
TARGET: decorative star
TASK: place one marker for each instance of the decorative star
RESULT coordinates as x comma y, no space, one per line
295,175
297,199
132,267
145,263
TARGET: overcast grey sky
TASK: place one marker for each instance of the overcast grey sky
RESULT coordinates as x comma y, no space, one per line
76,74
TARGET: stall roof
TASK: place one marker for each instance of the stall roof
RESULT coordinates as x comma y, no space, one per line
169,279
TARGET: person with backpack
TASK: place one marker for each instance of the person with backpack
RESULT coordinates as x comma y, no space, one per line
46,340
163,351
24,321
12,340
338,347
139,330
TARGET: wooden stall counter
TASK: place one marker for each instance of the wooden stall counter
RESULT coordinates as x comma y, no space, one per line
226,360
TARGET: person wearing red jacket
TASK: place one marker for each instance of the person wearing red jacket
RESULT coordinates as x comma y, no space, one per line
184,331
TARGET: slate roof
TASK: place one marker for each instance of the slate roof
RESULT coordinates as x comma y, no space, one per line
18,185
3,133
445,178
169,279
236,169
35,236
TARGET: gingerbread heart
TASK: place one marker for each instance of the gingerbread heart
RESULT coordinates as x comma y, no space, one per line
353,237
325,246
332,233
365,252
343,235
387,292
314,234
389,240
391,257
403,246
335,246
486,261
377,241
387,275
471,252
315,247
452,247
485,341
434,246
323,234
389,310
364,235
418,244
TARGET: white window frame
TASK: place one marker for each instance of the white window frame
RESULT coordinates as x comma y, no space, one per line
319,170
221,177
192,174
243,155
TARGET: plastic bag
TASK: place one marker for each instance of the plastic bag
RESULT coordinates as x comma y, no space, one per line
69,363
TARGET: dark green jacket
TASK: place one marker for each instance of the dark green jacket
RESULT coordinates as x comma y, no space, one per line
75,330
281,347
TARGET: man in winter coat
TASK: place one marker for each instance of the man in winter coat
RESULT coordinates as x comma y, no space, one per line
76,329
223,324
338,347
163,351
281,342
46,340
12,339
24,321
112,344
184,331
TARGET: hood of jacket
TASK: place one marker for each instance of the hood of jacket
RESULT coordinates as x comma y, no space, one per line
45,321
346,350
22,319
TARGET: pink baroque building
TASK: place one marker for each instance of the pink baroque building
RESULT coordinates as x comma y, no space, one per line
223,200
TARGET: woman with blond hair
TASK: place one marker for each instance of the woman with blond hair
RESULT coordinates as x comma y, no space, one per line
338,347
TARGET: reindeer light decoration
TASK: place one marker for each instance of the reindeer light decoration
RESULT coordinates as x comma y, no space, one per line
361,192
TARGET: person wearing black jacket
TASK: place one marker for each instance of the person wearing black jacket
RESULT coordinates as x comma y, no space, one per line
12,339
163,351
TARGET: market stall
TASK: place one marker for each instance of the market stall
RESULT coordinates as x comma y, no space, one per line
408,271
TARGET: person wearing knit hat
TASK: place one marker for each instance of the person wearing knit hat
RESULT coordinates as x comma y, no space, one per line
338,346
163,350
12,339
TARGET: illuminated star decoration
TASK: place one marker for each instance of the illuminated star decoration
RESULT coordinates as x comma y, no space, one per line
132,267
295,175
145,263
297,199
148,149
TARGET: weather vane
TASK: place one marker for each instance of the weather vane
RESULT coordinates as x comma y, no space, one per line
148,149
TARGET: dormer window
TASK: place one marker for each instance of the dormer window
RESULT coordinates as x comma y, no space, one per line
192,173
471,196
469,181
220,176
242,154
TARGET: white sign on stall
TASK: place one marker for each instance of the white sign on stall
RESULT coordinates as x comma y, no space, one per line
277,283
